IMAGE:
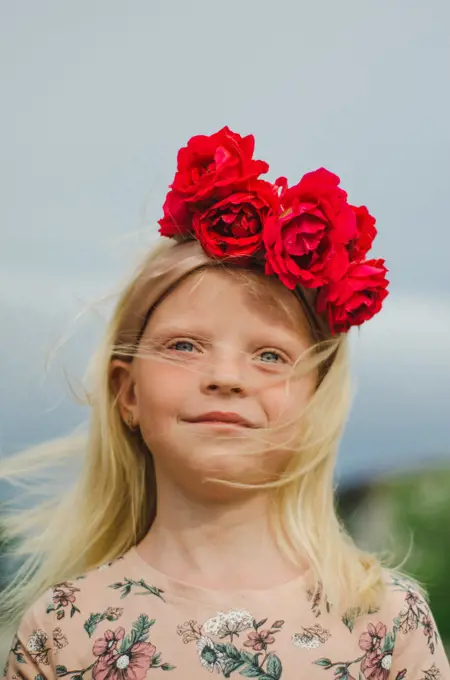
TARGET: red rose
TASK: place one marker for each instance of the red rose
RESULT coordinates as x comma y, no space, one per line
365,225
356,298
208,164
307,245
234,226
177,220
209,168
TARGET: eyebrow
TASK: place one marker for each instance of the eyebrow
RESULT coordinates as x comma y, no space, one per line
178,330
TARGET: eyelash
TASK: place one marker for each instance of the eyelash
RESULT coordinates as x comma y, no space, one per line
281,356
177,342
274,351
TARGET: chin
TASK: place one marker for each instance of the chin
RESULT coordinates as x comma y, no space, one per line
204,470
219,466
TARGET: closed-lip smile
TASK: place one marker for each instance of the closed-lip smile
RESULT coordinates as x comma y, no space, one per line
224,417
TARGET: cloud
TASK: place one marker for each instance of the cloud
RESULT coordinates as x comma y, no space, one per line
411,329
400,417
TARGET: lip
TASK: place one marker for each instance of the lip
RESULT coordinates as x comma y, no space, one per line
221,418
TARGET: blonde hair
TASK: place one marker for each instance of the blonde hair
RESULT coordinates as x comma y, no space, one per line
112,505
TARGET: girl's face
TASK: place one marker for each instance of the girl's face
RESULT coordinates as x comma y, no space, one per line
214,392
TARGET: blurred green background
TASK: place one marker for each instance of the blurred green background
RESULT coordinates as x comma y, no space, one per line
408,516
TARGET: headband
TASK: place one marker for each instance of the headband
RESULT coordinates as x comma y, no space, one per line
307,235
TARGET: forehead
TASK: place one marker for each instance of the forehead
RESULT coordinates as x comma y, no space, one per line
220,290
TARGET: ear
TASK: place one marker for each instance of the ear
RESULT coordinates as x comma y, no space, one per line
123,387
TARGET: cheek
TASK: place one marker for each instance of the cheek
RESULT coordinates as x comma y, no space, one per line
285,402
161,391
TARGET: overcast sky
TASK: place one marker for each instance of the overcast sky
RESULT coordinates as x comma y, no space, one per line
98,95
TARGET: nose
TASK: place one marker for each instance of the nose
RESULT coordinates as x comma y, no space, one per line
224,377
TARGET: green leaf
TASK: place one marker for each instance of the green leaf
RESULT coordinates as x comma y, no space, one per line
220,647
91,623
232,652
388,645
20,658
349,622
167,667
156,659
126,644
325,663
126,591
61,670
154,591
248,658
141,628
274,666
230,666
259,624
252,672
141,623
39,677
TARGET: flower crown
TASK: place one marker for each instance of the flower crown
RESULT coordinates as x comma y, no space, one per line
308,235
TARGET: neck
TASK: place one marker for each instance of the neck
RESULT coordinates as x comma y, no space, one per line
216,543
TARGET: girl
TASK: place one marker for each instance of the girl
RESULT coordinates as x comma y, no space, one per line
202,536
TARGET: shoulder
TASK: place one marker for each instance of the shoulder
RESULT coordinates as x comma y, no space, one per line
402,608
65,599
401,634
94,589
69,607
406,605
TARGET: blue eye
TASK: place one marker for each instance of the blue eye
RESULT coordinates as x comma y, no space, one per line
271,357
182,346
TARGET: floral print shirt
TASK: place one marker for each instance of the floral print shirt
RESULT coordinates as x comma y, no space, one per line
127,621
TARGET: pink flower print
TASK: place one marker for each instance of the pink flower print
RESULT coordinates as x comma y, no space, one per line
63,599
108,643
63,596
258,640
130,665
377,666
371,640
427,624
412,598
